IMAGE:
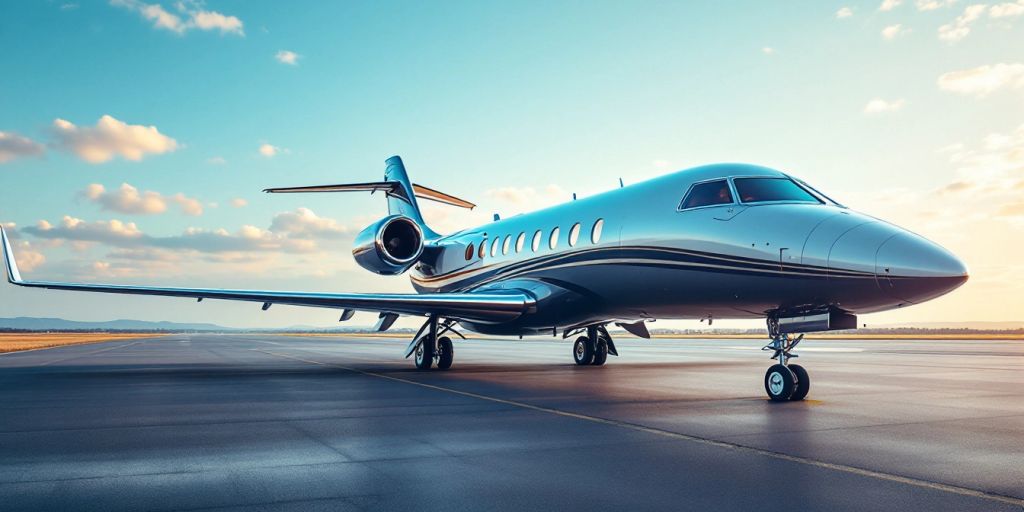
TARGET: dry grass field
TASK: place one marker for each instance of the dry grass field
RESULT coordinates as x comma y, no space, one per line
12,342
718,336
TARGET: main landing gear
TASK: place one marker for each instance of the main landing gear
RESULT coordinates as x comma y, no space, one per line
593,348
784,381
430,347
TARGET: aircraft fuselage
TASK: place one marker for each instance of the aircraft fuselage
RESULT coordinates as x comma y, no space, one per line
638,253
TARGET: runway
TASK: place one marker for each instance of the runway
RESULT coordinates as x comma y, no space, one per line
259,422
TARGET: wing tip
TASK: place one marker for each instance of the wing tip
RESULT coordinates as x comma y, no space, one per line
10,263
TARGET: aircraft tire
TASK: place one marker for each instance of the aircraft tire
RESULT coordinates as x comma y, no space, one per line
803,382
583,351
424,355
779,383
446,353
600,352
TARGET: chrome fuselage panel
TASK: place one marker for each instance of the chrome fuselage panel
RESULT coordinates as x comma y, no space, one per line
654,260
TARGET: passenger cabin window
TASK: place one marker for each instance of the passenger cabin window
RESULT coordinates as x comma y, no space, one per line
574,234
483,248
553,241
595,233
469,251
520,240
757,190
506,244
707,194
536,240
494,246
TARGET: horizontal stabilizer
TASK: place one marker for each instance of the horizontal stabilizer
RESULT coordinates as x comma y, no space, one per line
392,188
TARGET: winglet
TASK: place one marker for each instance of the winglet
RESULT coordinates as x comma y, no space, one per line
13,276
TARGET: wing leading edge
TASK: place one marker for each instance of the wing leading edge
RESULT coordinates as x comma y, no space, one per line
495,306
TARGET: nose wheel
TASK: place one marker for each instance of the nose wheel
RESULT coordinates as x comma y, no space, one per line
784,382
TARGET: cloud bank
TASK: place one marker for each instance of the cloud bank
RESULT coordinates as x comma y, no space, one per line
109,138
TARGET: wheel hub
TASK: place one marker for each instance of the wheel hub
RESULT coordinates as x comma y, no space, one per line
775,383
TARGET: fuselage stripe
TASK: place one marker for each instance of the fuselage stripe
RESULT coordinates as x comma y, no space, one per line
633,254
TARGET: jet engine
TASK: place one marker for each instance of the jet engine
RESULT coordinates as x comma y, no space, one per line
389,246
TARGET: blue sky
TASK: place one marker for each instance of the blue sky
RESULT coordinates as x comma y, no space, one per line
909,110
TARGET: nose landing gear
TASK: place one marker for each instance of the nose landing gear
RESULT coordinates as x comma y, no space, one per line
784,381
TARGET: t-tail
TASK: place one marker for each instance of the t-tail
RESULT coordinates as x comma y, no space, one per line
401,193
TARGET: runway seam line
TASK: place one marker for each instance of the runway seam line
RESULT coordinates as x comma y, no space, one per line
924,484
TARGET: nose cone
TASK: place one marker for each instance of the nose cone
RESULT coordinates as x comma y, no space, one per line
915,269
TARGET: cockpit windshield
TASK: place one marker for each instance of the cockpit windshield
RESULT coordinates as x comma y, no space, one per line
707,194
759,190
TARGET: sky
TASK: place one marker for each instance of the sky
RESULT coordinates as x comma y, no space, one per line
136,136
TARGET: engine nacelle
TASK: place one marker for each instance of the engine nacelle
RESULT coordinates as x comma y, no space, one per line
389,246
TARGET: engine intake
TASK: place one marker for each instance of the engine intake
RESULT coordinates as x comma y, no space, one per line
389,246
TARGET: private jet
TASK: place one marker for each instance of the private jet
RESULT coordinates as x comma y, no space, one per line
723,241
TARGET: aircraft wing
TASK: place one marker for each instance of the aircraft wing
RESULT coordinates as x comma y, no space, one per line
492,306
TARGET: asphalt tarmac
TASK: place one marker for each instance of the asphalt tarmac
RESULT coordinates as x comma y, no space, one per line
248,422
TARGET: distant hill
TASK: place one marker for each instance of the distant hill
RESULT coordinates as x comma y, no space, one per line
24,323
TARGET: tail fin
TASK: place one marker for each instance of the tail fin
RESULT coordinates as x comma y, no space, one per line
404,202
400,192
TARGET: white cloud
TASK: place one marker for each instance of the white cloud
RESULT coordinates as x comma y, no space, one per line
287,57
75,229
127,199
110,137
26,256
844,12
238,202
888,5
878,106
192,16
127,235
269,150
1007,10
211,20
959,28
304,222
216,160
768,50
188,205
983,80
892,31
931,5
14,146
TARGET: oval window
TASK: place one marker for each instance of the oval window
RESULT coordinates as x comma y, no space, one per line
506,244
494,246
469,251
595,234
536,240
520,241
483,248
553,241
574,234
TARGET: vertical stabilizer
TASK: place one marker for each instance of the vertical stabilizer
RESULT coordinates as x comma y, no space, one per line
404,202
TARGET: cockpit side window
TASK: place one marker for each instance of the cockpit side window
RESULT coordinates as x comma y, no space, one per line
759,190
707,194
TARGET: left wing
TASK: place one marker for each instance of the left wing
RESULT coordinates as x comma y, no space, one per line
487,307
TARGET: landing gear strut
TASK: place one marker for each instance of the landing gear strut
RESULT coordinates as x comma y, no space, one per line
432,349
784,381
593,349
